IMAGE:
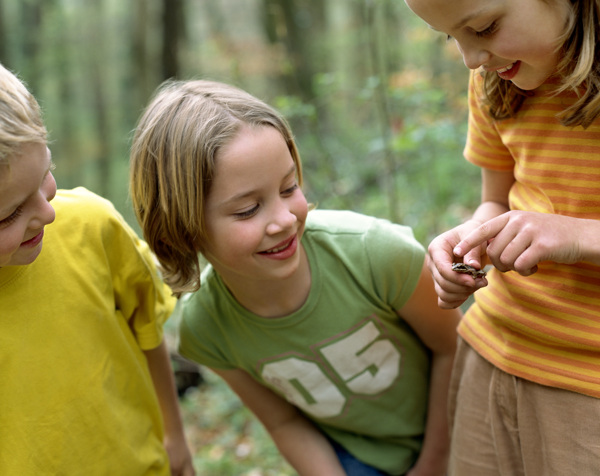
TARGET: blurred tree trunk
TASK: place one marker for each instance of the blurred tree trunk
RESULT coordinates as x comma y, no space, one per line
31,13
140,72
218,32
298,47
66,142
98,71
173,32
299,25
103,156
377,24
392,36
4,59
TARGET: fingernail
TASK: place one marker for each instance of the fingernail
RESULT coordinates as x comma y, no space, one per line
457,251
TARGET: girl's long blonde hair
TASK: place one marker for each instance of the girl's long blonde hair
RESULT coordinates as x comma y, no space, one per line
173,155
579,69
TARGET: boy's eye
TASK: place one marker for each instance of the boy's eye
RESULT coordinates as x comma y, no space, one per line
12,217
247,213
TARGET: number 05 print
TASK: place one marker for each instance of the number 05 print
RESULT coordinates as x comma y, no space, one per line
366,364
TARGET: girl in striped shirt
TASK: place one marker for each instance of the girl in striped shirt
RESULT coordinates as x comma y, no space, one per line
527,373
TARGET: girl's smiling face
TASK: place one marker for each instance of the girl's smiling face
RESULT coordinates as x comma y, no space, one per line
26,189
255,211
518,39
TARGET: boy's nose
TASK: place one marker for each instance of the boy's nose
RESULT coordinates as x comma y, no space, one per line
45,215
45,212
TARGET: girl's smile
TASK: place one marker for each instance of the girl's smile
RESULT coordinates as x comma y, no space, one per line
519,39
283,250
510,71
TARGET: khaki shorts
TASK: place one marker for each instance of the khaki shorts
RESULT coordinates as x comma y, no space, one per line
506,426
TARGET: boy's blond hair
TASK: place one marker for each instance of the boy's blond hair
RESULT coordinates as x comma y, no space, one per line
578,68
173,154
20,116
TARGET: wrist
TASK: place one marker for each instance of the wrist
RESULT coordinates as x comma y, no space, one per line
588,245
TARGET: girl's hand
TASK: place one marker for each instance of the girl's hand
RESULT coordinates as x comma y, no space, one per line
453,288
180,457
519,240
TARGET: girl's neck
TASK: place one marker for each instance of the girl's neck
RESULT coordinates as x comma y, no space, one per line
276,298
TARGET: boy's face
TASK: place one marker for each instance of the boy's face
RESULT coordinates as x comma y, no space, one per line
26,188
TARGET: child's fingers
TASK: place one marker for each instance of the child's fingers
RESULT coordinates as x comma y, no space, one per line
449,300
483,234
455,291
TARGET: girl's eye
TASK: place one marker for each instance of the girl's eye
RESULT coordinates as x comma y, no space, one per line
488,31
292,189
247,213
12,217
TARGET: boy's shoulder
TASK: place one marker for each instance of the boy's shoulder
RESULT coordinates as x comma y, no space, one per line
80,197
83,204
80,209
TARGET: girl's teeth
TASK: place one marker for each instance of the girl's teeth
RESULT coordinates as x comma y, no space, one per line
275,250
504,70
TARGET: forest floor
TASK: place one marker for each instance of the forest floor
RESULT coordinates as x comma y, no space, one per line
226,439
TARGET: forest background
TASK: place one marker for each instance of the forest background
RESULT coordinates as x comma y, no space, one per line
376,100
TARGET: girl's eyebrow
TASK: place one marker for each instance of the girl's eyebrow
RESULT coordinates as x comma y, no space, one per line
470,16
464,21
241,196
291,171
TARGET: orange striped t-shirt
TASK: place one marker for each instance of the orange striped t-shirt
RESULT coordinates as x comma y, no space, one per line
545,327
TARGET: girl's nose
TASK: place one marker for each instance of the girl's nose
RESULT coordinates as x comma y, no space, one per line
473,55
281,219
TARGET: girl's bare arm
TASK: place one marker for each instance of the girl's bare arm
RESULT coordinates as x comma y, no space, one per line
298,440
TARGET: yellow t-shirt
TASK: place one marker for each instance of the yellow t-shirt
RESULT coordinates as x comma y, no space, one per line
545,327
76,395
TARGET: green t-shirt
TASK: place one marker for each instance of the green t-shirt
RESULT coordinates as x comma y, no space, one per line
345,358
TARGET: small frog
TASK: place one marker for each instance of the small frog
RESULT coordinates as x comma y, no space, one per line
467,269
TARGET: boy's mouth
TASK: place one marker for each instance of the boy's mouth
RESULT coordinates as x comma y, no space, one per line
34,241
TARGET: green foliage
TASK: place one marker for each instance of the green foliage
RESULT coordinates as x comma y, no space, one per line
345,168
